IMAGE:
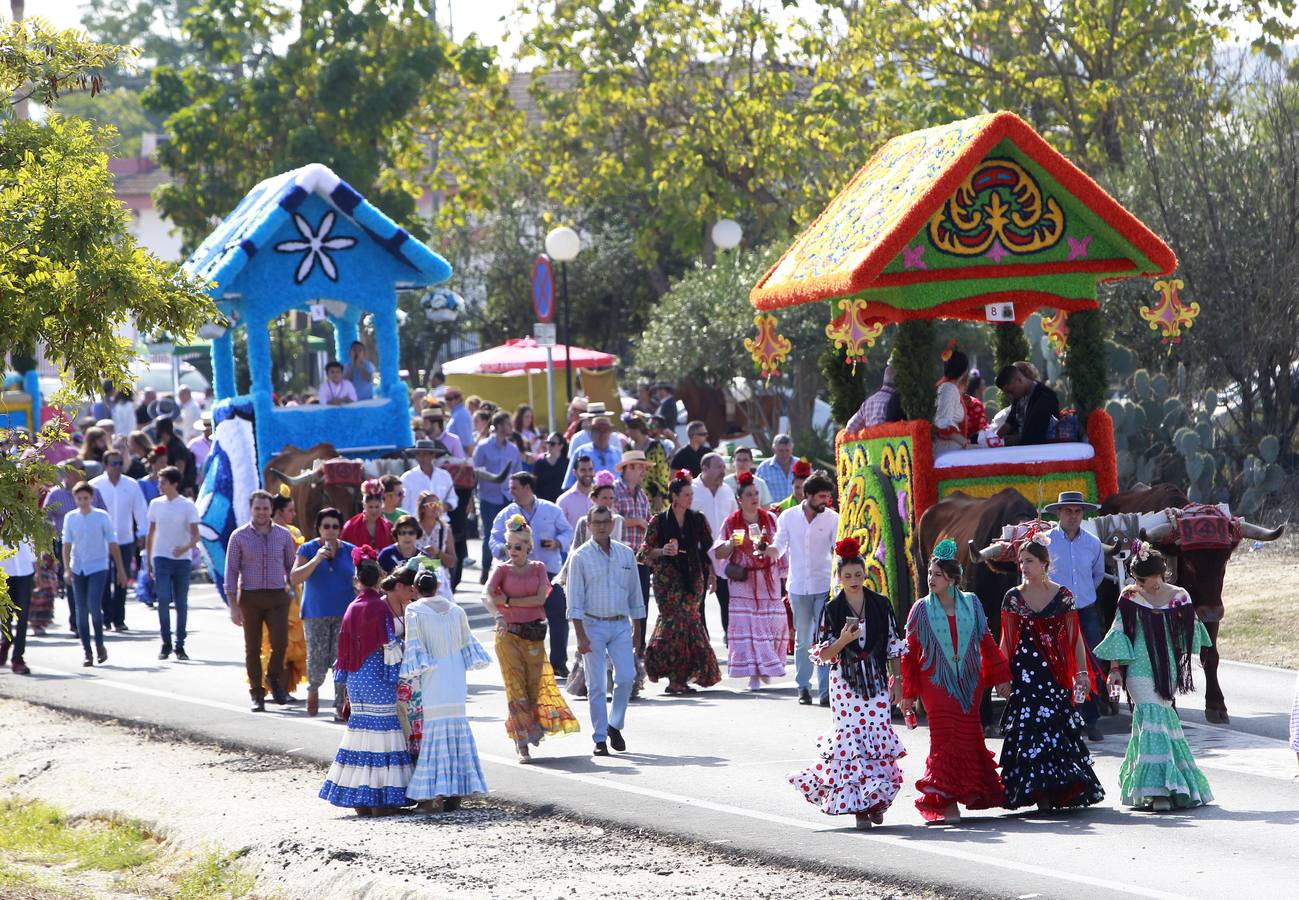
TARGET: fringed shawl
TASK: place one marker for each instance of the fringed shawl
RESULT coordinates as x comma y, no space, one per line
759,566
957,670
865,668
1054,631
1179,616
366,627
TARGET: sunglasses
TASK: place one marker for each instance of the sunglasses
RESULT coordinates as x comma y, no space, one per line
406,531
518,547
554,443
324,527
115,464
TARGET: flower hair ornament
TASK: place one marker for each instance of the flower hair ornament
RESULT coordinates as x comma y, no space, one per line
1141,550
372,487
802,469
945,551
682,475
362,553
1041,538
951,348
516,523
847,548
284,491
744,479
604,478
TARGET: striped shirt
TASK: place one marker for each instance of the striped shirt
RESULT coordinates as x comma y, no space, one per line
604,584
631,503
259,562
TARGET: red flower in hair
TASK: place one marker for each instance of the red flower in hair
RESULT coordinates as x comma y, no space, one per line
372,487
159,450
848,548
947,353
362,553
802,469
744,479
682,475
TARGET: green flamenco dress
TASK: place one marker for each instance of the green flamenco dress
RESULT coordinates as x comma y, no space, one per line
1158,762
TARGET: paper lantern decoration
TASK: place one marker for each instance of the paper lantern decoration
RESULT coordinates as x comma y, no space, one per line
1055,329
853,332
769,349
1170,315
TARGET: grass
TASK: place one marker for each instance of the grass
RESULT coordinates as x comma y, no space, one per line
36,831
1261,630
214,875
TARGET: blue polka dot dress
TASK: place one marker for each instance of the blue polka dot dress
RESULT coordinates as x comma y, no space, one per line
372,766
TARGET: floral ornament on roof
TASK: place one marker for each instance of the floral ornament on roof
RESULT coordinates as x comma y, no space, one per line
1055,329
314,247
769,349
852,331
1170,315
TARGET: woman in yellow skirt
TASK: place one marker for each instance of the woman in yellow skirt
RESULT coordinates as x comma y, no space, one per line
516,596
295,658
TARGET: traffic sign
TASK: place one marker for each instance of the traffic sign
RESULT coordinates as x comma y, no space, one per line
543,290
544,334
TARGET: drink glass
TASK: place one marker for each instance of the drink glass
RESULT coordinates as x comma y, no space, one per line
737,536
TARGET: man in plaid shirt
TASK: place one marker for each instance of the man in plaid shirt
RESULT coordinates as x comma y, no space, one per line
632,503
875,408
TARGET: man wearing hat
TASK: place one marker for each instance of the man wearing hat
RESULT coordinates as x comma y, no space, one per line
601,449
1078,563
632,503
586,416
201,446
426,476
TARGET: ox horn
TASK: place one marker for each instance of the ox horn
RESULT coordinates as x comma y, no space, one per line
310,477
1250,531
1110,549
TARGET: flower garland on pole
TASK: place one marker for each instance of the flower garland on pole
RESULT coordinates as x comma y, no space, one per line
1170,315
852,331
769,349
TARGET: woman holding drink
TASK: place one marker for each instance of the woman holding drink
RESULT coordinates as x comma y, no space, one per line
759,632
676,548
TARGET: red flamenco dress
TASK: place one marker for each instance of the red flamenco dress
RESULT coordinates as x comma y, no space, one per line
949,662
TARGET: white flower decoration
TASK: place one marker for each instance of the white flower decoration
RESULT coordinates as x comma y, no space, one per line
317,242
1041,539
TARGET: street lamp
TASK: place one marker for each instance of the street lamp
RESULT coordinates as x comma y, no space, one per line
562,245
727,234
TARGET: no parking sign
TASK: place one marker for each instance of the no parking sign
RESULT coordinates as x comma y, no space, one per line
543,289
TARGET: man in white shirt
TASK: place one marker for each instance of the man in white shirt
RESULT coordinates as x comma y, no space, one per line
20,570
335,390
807,533
201,446
190,412
130,514
716,501
428,477
742,458
173,535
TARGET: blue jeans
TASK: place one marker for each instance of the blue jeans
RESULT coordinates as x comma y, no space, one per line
88,590
1090,621
613,638
807,619
557,622
171,583
487,513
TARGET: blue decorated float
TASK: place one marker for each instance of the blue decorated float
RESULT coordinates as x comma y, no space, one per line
300,240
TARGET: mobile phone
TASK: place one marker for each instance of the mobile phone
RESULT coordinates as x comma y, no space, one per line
853,621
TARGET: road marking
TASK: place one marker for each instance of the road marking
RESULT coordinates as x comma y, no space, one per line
757,815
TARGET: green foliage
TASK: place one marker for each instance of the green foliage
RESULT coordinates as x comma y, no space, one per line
697,332
916,367
37,831
1085,361
118,108
1009,345
345,92
70,273
847,387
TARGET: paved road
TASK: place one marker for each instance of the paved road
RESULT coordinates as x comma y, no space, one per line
712,768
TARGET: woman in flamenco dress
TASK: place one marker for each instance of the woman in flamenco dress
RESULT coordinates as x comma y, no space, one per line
857,768
1044,759
950,659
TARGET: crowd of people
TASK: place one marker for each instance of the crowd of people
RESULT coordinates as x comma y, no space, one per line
579,529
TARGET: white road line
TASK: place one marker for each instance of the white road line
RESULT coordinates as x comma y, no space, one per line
893,841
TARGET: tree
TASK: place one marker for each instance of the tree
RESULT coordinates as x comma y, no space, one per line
697,332
346,92
70,273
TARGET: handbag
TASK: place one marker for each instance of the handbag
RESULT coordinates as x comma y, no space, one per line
529,631
736,572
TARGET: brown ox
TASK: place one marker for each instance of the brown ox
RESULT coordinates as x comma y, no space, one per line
297,469
1199,572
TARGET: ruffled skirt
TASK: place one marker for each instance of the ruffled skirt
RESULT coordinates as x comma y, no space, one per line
1158,762
536,706
757,637
857,768
959,768
448,763
372,766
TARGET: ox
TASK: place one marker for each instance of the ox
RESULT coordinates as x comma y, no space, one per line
969,520
302,472
1199,571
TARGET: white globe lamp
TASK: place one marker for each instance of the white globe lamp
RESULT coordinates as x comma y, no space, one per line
563,244
727,234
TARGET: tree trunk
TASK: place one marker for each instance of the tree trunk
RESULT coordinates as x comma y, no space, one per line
806,381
